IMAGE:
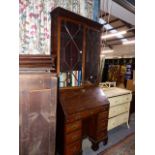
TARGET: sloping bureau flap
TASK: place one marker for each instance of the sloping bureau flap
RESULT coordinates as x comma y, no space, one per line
74,101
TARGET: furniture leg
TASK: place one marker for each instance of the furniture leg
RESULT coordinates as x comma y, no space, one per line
95,146
128,125
105,141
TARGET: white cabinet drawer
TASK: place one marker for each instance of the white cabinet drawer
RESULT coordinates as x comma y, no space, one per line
118,120
116,110
120,99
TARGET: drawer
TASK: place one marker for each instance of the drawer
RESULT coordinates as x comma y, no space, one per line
120,99
102,115
116,110
72,137
84,114
118,120
102,125
73,149
69,127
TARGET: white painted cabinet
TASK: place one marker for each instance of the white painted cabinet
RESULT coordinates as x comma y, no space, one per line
119,106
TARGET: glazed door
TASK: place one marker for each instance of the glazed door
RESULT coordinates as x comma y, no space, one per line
71,46
92,55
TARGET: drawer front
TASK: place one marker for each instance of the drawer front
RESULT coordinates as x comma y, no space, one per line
120,99
102,125
85,114
116,110
69,127
73,149
102,116
118,120
72,137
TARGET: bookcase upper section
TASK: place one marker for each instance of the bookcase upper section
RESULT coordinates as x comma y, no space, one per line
76,46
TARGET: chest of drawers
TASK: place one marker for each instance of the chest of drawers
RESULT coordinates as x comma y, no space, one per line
119,106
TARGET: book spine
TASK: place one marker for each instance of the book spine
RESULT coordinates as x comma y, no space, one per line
63,78
69,79
79,77
76,80
73,78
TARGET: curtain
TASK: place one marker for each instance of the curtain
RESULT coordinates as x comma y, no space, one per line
35,22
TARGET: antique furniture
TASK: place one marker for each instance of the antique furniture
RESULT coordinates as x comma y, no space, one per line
82,105
83,112
119,105
38,101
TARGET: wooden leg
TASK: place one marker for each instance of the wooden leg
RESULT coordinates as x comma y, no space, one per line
105,141
80,153
95,146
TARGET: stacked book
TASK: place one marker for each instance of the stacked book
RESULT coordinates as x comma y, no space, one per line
72,78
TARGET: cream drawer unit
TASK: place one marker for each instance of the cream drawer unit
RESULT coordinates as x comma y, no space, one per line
119,106
118,120
116,110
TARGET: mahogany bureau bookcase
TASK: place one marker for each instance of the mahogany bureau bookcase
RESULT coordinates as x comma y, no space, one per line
82,106
37,102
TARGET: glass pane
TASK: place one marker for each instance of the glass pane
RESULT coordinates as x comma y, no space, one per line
71,54
92,55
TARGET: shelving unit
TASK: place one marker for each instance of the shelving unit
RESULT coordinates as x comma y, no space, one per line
123,69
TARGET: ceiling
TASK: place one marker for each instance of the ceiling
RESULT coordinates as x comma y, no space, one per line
116,25
117,16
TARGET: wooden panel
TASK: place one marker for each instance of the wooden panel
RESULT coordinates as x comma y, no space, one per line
118,109
37,61
37,98
73,149
103,115
102,125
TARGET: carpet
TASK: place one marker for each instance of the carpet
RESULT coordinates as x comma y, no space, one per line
125,146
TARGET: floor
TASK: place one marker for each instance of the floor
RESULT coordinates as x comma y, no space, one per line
114,136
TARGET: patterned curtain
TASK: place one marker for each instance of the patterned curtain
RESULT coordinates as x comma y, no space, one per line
35,22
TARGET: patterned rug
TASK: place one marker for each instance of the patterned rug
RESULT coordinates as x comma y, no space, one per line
123,147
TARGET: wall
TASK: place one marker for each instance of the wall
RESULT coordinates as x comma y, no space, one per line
35,22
